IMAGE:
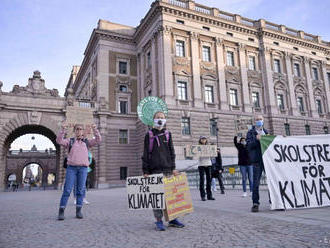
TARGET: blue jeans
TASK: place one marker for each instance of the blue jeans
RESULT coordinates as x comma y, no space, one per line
74,173
257,172
247,170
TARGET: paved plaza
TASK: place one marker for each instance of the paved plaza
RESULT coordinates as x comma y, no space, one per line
28,219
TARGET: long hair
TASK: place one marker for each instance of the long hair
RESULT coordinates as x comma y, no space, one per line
200,141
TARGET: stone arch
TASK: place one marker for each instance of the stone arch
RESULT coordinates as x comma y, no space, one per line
27,122
279,85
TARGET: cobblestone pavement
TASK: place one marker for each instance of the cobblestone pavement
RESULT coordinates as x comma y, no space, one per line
28,219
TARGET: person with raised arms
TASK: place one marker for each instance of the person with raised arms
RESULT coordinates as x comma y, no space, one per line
77,164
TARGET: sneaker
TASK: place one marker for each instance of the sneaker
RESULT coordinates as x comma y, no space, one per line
79,214
160,226
175,223
214,189
85,201
244,194
255,208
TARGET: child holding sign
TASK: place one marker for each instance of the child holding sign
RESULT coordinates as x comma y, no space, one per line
159,157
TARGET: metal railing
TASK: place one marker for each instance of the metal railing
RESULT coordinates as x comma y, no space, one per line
231,180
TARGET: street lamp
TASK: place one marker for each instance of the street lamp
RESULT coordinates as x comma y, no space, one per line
215,120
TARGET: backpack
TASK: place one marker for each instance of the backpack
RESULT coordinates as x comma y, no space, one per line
152,137
72,140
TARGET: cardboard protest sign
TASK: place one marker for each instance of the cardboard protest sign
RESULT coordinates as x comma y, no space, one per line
177,196
243,125
145,192
201,151
298,170
78,115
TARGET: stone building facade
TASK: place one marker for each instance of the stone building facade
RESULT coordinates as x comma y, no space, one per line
212,68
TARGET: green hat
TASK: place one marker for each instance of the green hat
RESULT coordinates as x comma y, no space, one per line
147,108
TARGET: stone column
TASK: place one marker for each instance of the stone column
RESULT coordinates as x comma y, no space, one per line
103,74
154,65
197,89
245,84
142,75
267,78
312,107
167,81
102,162
221,75
326,87
292,98
139,81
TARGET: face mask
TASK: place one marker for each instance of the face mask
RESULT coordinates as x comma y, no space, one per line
159,122
243,142
259,123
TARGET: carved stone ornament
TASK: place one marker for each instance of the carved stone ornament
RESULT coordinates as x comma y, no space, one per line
181,61
34,117
102,103
36,86
279,77
232,74
194,35
70,97
1,84
210,67
299,80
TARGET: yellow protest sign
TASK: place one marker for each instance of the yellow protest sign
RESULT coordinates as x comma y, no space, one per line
177,197
231,170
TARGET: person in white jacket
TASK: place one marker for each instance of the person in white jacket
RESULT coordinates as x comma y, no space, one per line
204,167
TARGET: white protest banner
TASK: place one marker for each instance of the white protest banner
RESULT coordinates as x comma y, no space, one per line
298,170
145,192
201,151
79,115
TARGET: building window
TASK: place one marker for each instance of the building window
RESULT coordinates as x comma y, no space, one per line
206,53
280,101
123,107
206,28
233,97
252,63
179,21
148,59
328,77
185,126
319,106
209,98
213,127
326,130
308,130
123,136
287,129
182,90
123,173
123,88
277,65
296,70
300,103
255,99
179,48
122,67
315,73
230,58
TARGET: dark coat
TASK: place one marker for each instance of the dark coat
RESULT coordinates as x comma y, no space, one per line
243,154
162,157
216,165
253,146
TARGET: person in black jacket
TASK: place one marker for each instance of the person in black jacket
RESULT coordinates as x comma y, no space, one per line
160,158
253,145
244,163
216,171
